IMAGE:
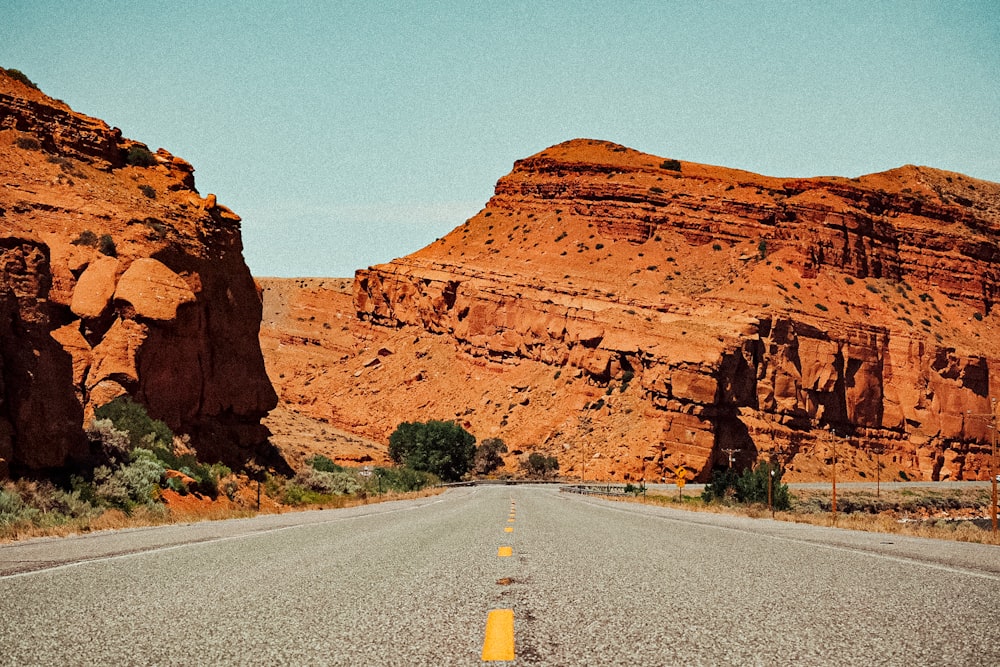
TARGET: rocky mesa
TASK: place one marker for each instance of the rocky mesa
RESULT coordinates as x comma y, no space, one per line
117,277
631,313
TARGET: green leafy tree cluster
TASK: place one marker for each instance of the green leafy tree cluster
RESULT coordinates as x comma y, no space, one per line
750,486
442,448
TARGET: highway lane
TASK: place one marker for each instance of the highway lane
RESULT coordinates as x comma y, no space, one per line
586,581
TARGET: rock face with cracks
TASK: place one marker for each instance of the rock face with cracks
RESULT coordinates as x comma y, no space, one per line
648,313
117,277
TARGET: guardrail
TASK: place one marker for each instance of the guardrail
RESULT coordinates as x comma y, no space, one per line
498,482
596,489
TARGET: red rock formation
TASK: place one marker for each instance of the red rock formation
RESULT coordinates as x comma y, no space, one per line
117,277
709,309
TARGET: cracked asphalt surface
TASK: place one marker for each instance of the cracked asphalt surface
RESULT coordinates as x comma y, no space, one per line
590,582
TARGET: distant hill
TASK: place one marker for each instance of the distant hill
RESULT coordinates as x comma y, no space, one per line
632,313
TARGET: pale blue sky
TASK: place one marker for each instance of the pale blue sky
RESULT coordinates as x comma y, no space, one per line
349,133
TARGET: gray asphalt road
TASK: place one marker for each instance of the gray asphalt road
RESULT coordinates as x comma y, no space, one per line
589,581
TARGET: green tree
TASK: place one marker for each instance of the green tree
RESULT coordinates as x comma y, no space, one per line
720,486
540,465
752,485
488,456
442,448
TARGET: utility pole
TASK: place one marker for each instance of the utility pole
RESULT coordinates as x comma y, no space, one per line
993,458
771,474
730,452
879,450
833,506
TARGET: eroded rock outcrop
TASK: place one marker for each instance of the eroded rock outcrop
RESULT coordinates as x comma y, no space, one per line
715,311
117,277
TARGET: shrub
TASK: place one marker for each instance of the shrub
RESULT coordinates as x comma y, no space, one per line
723,481
323,464
341,482
106,245
148,190
627,377
404,479
487,458
154,436
132,484
540,465
131,417
13,510
978,316
716,246
822,307
114,444
18,75
749,487
752,486
86,237
28,143
139,156
762,249
671,165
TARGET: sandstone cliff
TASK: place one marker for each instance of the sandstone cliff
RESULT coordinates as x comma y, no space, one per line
630,313
117,277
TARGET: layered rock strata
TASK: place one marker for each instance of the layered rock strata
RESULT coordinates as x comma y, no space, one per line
117,277
718,313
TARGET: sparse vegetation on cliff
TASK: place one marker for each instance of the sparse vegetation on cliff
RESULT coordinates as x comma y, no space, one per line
22,77
139,156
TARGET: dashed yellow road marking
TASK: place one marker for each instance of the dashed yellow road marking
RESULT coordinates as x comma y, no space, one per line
509,529
499,642
503,552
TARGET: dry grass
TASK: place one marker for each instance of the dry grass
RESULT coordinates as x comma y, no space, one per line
162,514
956,514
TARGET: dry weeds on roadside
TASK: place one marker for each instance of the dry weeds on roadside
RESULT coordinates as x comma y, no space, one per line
954,514
162,514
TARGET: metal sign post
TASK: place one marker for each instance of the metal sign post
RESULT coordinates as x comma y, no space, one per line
681,474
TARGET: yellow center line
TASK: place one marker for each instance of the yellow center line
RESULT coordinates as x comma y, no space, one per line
509,529
499,642
503,552
510,521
